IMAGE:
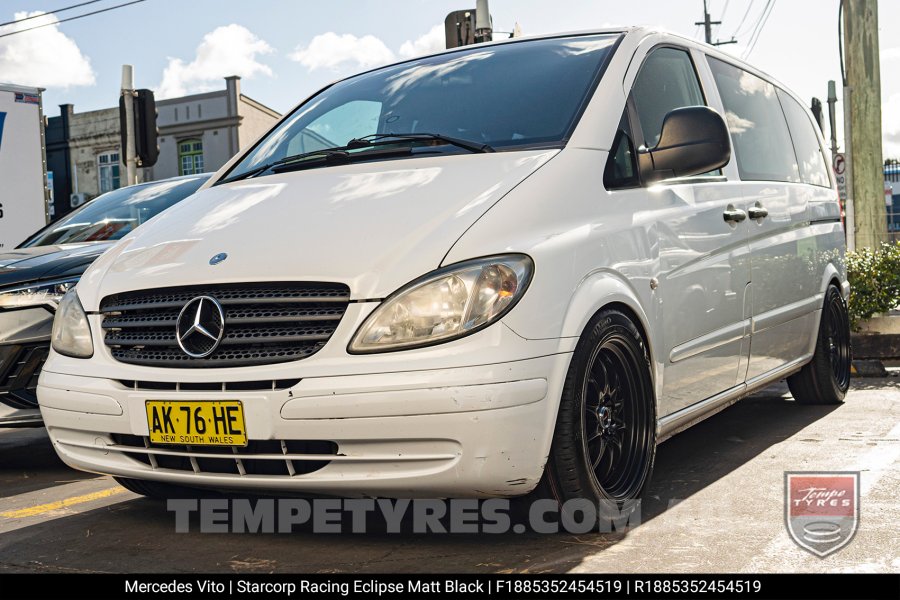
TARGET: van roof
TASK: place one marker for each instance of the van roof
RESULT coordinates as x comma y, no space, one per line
638,32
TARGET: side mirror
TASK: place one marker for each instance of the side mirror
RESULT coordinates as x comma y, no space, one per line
693,140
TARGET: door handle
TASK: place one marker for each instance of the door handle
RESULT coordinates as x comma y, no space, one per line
734,215
758,212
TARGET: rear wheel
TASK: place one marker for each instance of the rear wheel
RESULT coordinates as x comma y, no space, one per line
604,444
826,378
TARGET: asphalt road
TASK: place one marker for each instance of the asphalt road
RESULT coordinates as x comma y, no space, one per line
716,504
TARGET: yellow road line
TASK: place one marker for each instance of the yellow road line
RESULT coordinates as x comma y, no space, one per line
40,509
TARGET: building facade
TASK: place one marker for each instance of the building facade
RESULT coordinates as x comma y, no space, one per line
197,133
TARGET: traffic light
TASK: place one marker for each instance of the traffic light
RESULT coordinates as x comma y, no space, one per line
146,133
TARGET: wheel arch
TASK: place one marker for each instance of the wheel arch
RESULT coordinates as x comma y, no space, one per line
832,275
607,289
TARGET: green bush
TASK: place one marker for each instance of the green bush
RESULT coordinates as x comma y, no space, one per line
874,276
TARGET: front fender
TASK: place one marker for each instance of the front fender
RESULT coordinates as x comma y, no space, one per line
597,290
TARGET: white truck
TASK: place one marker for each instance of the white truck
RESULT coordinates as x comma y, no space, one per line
24,191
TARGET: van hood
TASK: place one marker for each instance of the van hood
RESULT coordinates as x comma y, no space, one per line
374,226
36,263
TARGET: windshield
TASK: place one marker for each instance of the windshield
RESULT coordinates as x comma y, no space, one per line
508,96
115,214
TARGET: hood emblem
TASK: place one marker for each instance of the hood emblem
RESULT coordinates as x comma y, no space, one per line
200,326
218,258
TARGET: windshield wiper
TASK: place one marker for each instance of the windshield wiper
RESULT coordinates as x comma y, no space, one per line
337,155
392,138
340,154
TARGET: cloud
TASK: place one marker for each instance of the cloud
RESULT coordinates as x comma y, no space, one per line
338,52
44,57
333,51
738,124
227,50
433,41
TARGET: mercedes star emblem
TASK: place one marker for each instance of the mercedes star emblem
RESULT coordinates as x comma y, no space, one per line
200,326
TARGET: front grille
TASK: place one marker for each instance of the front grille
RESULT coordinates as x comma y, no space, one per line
20,367
260,457
264,323
266,385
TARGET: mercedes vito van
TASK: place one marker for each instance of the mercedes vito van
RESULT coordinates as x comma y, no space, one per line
505,265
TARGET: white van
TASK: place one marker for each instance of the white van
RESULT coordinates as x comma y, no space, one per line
464,275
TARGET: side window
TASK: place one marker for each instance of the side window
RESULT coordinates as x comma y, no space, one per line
759,132
810,159
621,166
667,81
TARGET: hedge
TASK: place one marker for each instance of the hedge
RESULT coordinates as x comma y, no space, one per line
874,276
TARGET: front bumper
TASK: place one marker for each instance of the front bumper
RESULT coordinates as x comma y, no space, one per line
477,431
24,346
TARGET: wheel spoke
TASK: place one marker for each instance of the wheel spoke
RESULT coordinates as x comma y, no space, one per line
610,461
602,375
600,454
592,399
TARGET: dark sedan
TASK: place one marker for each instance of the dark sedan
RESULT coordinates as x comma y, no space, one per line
34,276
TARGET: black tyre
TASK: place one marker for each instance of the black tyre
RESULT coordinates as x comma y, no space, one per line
156,489
826,378
605,440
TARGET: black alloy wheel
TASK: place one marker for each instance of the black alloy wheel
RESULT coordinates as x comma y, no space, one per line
604,444
825,379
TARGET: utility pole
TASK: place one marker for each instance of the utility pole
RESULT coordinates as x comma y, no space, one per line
707,24
832,115
862,122
128,152
707,29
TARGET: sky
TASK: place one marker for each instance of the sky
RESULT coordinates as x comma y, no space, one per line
285,50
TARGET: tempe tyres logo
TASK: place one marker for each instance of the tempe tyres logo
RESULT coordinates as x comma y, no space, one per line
821,510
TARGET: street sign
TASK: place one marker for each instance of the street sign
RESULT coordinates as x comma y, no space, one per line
839,164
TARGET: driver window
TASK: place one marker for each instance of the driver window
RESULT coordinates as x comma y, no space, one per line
667,81
354,119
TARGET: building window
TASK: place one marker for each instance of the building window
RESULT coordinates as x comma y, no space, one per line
108,171
190,157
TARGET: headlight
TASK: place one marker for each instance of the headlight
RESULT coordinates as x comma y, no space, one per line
447,304
37,293
71,332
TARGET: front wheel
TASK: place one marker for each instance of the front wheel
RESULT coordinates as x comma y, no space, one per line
826,378
604,444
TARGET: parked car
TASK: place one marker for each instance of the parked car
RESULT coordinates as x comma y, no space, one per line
503,268
34,277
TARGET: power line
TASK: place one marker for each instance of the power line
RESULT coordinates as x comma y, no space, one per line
755,25
761,24
96,12
724,12
50,12
722,18
744,18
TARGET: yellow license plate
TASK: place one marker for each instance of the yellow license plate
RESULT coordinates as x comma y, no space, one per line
203,423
